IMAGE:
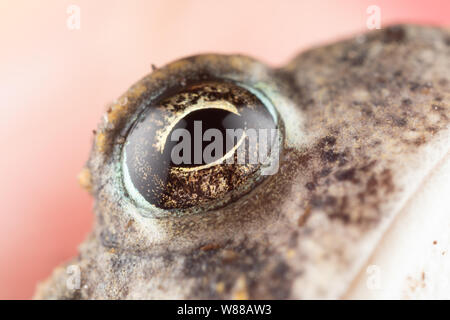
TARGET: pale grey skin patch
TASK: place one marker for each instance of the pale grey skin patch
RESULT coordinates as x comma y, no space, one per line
376,114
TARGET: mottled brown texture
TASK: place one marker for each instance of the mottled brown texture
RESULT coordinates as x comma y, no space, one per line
375,113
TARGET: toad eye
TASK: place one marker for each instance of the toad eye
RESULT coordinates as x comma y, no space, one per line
200,146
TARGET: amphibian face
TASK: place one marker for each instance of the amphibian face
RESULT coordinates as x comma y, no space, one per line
359,126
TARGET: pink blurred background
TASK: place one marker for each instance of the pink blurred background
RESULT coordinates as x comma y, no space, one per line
55,84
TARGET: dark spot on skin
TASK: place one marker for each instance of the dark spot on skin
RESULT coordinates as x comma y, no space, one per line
168,258
329,156
324,201
447,41
407,102
354,58
399,122
432,130
325,172
375,143
302,159
394,34
76,295
341,210
108,239
367,111
118,263
130,223
398,73
340,216
435,242
348,174
327,141
381,81
443,82
359,60
368,166
419,141
362,197
386,180
413,86
309,102
310,186
372,184
280,270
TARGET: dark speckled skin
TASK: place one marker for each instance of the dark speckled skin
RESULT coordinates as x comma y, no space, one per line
369,118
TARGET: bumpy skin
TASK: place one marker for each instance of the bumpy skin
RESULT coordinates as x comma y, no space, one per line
366,119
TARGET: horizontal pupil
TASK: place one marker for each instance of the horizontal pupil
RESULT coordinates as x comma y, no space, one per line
197,126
